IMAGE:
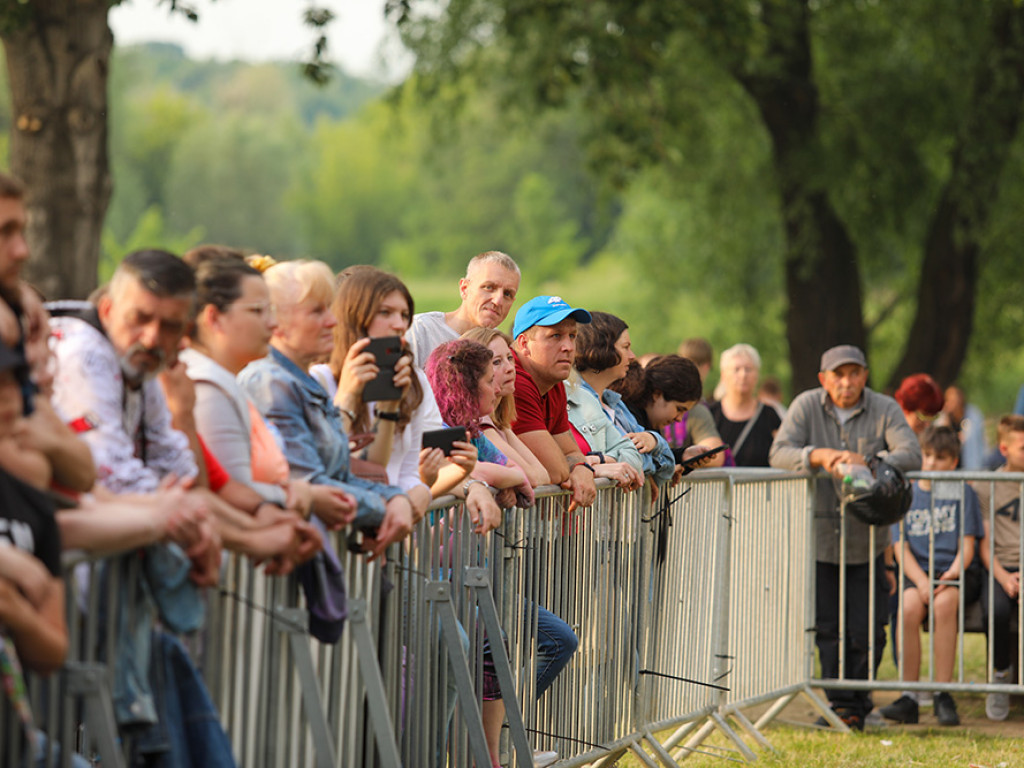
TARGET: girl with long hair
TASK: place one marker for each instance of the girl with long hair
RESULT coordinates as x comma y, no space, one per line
369,303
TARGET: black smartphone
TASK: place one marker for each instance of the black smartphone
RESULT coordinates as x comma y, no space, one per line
691,462
386,351
444,438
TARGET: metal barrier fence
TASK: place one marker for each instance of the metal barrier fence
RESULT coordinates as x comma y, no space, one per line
978,616
688,612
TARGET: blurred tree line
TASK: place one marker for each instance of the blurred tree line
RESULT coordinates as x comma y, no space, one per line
689,244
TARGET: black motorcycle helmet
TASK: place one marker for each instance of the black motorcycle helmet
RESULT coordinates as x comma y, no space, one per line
888,498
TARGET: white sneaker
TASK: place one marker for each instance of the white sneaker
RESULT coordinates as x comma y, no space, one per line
544,759
997,705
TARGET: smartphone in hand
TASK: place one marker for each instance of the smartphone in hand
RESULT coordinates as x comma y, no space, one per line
444,439
693,461
386,351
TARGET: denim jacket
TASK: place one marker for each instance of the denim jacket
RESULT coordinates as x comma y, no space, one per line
659,463
591,421
315,442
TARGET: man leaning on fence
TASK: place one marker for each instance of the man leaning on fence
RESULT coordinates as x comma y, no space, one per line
841,422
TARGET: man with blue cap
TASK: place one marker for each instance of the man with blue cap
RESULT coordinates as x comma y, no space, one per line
544,344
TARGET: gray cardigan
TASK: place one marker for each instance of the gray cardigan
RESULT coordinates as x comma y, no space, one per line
877,426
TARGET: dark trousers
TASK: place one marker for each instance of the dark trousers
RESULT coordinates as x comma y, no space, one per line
857,629
1003,607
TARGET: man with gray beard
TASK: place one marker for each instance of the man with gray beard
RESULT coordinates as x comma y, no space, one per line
108,358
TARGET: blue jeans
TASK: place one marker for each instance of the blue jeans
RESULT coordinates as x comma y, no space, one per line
188,733
556,643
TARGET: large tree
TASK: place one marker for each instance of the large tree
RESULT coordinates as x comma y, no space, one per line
58,62
623,60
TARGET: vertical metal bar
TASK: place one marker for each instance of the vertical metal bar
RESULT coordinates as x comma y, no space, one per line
383,728
439,593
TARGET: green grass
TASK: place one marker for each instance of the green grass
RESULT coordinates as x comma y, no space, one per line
976,743
818,749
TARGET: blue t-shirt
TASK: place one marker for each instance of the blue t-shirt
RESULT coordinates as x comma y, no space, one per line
946,523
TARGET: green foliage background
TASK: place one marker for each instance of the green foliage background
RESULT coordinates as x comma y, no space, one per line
255,156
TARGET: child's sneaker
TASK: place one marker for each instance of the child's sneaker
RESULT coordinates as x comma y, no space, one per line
945,709
903,710
997,705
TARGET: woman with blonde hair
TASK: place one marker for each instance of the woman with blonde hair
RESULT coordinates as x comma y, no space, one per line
311,426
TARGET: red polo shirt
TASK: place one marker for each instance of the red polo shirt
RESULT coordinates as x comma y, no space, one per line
534,411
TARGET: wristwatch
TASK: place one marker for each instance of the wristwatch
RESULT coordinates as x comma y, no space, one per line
471,482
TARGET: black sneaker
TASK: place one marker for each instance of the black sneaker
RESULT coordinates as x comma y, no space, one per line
903,710
945,709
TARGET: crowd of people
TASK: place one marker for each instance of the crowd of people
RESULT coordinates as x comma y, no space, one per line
220,400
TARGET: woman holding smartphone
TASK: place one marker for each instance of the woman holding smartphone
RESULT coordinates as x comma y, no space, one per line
462,373
370,304
661,393
462,376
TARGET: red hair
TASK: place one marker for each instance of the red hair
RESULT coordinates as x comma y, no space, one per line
454,370
920,393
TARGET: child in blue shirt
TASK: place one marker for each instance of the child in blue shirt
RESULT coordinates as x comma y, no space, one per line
934,521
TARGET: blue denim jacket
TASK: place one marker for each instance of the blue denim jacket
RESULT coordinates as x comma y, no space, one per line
315,442
659,463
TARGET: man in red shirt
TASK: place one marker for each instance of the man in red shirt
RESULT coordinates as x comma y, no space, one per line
545,347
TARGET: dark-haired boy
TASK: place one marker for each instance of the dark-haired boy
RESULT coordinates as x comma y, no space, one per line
933,523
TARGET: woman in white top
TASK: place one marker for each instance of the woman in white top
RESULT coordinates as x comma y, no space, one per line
370,303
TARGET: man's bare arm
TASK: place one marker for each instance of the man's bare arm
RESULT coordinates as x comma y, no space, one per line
550,453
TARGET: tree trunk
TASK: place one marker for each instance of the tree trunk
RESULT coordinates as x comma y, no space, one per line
822,275
58,54
937,343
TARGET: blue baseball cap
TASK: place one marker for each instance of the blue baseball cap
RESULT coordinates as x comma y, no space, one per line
545,310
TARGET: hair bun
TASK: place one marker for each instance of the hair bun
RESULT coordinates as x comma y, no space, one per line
260,263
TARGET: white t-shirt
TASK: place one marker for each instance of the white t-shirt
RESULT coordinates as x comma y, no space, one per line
403,467
427,332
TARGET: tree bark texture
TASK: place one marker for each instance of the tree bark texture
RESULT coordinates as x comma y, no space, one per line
58,54
821,270
942,326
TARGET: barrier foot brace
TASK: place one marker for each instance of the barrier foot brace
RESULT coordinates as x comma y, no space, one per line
439,593
716,720
293,621
478,581
774,710
826,711
641,754
752,730
90,681
660,752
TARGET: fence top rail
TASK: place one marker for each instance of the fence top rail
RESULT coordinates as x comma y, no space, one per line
991,476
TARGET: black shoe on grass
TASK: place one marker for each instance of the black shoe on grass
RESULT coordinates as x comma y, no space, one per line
945,709
903,710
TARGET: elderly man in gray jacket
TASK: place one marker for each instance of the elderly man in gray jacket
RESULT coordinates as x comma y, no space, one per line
842,422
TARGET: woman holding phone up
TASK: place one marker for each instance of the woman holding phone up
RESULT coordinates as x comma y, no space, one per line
370,304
